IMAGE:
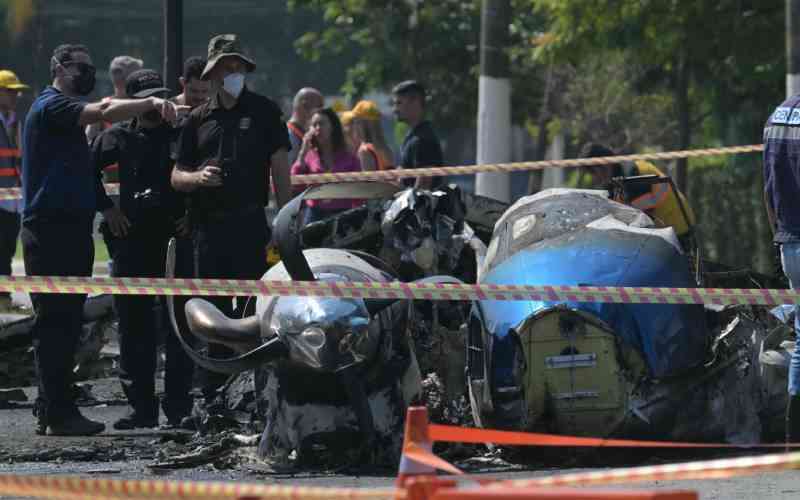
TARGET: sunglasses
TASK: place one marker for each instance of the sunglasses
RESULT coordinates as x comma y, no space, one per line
82,66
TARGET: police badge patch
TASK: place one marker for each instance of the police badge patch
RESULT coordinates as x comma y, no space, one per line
244,123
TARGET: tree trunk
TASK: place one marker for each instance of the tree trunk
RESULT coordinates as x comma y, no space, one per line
535,176
684,122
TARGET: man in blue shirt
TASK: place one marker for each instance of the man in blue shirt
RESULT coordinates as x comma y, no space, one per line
782,200
60,198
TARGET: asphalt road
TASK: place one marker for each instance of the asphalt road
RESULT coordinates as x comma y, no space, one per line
117,454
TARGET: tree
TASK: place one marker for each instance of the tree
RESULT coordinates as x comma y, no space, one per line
18,14
687,44
434,42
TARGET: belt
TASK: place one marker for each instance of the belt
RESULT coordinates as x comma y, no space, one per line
218,215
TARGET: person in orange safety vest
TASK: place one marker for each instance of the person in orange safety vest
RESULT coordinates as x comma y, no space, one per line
657,200
10,133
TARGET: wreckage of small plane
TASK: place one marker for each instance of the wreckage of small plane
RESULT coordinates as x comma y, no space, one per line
16,354
681,372
336,373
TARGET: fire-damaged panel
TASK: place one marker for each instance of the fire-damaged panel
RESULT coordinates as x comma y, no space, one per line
603,369
337,374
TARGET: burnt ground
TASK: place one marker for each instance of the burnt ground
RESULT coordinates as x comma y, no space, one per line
131,454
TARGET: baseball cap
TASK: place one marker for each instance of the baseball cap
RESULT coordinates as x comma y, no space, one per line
367,110
122,66
144,83
9,80
346,117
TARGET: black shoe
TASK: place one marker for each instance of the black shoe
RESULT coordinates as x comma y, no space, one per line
75,425
136,420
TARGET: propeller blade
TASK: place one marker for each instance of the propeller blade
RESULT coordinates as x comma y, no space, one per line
252,359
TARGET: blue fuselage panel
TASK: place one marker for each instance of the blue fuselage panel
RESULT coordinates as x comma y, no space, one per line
671,338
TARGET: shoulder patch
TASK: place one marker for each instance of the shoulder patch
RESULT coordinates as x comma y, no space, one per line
781,116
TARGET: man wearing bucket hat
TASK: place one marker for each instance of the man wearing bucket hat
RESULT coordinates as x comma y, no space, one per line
228,148
10,139
137,233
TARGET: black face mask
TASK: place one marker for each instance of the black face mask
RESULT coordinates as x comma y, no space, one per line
83,83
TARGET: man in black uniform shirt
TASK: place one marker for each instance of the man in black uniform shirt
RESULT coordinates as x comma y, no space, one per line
149,213
421,146
226,152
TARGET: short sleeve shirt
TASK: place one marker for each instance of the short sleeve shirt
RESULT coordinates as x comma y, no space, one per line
57,179
143,156
242,140
421,148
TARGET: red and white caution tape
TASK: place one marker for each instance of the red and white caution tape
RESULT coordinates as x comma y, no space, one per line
77,487
396,290
397,174
390,175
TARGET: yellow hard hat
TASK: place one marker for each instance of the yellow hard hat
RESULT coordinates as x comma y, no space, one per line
9,80
346,117
367,110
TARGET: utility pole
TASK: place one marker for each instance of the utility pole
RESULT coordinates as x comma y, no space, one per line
173,43
792,47
494,99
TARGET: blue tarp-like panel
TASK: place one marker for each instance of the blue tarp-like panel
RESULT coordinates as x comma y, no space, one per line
671,338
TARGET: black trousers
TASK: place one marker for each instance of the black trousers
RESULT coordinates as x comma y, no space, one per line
9,231
179,368
233,248
142,253
57,247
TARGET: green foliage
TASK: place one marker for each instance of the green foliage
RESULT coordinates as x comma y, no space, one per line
712,71
433,41
18,15
600,102
727,48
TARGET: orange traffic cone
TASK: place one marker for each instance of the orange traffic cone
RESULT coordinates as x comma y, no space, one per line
415,438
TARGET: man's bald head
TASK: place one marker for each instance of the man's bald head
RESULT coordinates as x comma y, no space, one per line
305,102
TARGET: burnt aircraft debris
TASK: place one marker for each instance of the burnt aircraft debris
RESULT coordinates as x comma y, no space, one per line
323,381
412,235
335,371
16,354
680,372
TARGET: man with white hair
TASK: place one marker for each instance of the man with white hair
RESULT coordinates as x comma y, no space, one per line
118,71
305,102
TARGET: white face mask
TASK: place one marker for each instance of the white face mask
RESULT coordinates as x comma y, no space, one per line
233,84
